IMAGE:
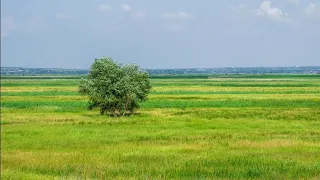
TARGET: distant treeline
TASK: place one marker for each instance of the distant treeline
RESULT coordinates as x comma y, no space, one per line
67,73
273,76
235,76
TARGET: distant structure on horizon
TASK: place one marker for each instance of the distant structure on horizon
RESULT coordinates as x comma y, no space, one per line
189,71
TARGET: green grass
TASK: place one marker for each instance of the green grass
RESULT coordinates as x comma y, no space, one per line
190,128
175,92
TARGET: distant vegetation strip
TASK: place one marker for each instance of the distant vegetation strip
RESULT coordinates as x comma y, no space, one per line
207,113
39,83
205,76
235,76
167,103
43,77
172,84
41,93
264,84
75,93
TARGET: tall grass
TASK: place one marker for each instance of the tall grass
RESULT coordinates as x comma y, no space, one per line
249,128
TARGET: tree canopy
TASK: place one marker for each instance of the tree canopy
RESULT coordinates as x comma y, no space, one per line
114,88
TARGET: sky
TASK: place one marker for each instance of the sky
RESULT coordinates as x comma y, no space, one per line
160,34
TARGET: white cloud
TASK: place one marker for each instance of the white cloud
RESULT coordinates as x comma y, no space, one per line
178,15
126,7
310,9
7,25
62,16
266,9
104,7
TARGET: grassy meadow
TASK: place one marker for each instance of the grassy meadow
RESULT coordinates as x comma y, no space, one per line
247,127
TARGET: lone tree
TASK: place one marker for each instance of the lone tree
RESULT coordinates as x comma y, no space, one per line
114,88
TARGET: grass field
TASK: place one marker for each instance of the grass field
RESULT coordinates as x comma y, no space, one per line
250,127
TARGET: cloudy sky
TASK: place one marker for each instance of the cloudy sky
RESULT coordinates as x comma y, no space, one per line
160,34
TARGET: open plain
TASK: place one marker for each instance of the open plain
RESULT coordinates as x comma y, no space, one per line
219,127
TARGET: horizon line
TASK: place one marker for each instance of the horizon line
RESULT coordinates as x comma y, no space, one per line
168,68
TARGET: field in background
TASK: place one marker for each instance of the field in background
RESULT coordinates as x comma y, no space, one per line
244,127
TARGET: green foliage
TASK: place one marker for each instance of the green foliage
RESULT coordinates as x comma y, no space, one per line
115,88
